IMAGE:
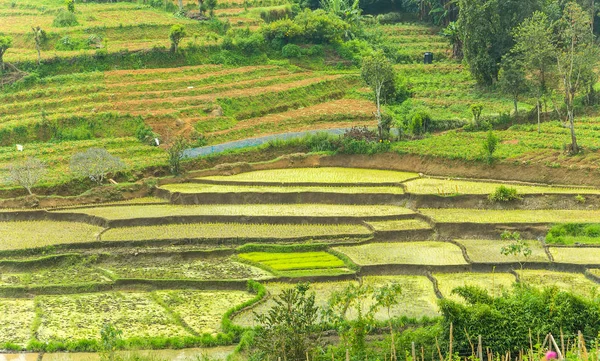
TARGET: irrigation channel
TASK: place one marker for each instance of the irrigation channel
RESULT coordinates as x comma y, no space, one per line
253,142
216,353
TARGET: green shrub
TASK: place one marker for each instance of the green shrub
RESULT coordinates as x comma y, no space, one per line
281,31
65,19
291,51
504,194
315,50
389,18
490,143
419,123
320,27
270,15
571,233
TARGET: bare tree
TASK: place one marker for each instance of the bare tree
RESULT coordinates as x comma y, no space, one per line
39,36
95,164
377,71
27,173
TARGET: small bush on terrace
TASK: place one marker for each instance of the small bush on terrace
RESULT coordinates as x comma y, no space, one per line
291,51
317,27
490,144
571,233
504,194
65,19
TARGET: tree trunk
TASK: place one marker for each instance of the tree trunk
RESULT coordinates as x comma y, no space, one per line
378,111
515,102
538,114
574,146
180,5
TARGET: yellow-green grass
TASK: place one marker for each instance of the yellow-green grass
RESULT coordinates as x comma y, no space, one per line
141,200
489,251
578,255
34,234
399,225
453,215
17,317
494,283
294,210
210,188
76,317
570,282
202,310
232,230
594,271
417,299
319,175
451,186
412,253
294,261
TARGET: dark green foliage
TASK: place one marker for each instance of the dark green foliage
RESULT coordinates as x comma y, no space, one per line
486,33
110,337
317,27
419,122
291,51
572,233
175,150
176,34
70,6
504,194
65,19
290,329
505,321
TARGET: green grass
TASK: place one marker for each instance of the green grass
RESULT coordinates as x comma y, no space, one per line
294,261
510,216
203,310
209,188
34,234
578,255
399,225
494,283
450,186
56,275
77,317
319,175
232,230
294,210
574,233
413,253
568,282
489,251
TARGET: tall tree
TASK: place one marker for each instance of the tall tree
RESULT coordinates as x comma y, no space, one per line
512,78
485,28
180,2
534,44
378,73
576,58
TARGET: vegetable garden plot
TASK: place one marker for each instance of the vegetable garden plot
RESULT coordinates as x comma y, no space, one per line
294,210
490,251
34,234
409,253
449,186
319,175
210,188
417,299
16,316
80,317
232,230
571,282
511,216
494,283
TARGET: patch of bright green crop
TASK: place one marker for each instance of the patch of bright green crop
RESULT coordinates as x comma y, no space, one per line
570,282
295,210
232,230
34,234
450,186
294,261
453,215
573,233
400,225
77,317
494,283
319,175
420,253
489,251
211,188
203,310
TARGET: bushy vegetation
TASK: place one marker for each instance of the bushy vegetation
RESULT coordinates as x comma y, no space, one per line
574,233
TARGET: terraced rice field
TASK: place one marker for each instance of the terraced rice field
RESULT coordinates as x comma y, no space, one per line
490,251
294,264
570,282
511,216
417,299
17,319
399,225
578,255
494,283
34,234
296,210
334,175
451,186
232,230
210,188
410,253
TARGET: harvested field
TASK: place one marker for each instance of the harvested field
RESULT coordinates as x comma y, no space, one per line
399,225
510,216
35,234
17,320
416,300
413,253
489,251
569,282
494,283
578,255
210,188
